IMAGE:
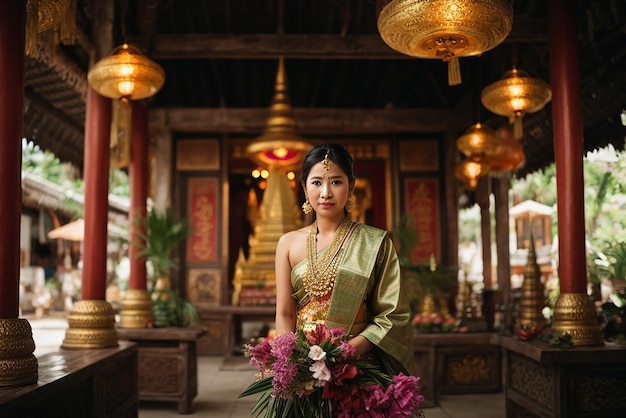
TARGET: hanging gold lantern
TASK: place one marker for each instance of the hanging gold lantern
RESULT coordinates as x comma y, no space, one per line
471,169
445,29
124,75
280,144
515,95
509,156
478,139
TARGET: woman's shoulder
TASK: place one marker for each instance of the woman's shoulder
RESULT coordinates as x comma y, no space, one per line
290,237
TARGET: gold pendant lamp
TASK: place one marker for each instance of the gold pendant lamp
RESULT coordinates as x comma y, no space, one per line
478,139
444,29
124,75
471,169
280,145
515,95
510,154
479,143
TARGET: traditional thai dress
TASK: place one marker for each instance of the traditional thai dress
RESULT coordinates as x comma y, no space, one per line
368,298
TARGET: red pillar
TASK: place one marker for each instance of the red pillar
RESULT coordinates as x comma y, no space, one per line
568,146
96,177
12,34
138,173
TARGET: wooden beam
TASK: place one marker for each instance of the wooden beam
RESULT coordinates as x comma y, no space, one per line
308,121
298,46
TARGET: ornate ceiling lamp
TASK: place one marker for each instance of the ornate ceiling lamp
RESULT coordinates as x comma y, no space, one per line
510,155
42,15
514,95
445,29
471,169
124,75
280,145
478,139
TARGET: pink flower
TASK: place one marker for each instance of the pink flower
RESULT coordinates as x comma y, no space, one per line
261,354
320,371
316,353
405,392
285,371
318,335
343,371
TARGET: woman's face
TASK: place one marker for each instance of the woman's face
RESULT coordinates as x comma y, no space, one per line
327,190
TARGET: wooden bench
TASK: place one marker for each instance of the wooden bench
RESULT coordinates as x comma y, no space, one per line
167,363
95,383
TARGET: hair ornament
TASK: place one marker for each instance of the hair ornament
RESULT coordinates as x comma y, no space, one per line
327,162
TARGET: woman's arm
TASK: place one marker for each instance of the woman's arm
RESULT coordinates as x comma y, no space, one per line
285,303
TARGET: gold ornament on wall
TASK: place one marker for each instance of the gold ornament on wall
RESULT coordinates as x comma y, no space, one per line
444,29
43,15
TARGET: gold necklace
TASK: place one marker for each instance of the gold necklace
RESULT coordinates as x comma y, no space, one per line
319,277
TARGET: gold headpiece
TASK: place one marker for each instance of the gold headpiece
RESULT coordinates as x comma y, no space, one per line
326,162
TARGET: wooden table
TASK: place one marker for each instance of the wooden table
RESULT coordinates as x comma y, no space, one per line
456,363
550,382
78,383
168,363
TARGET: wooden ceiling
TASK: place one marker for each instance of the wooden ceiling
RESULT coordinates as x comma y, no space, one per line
220,58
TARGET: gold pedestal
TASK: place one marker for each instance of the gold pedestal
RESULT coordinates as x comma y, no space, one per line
136,309
574,314
91,325
18,364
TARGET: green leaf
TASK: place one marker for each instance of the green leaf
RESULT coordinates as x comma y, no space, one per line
257,387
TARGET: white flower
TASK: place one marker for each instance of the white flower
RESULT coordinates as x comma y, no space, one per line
320,371
316,353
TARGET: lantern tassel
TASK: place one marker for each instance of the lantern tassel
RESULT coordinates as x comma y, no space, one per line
120,132
518,127
32,23
454,72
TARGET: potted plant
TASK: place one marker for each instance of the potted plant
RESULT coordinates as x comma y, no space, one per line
428,283
163,234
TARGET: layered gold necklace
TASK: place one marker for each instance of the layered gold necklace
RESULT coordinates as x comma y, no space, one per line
319,277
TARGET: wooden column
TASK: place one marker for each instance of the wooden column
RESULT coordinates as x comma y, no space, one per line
501,187
483,190
136,309
574,314
162,176
18,365
96,180
12,35
138,173
99,330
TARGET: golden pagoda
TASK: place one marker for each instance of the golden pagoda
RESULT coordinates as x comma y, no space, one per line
254,281
533,298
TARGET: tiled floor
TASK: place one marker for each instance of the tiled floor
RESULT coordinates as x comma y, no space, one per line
220,380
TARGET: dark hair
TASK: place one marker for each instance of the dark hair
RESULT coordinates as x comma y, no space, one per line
336,153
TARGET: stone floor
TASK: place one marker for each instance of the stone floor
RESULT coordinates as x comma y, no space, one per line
221,379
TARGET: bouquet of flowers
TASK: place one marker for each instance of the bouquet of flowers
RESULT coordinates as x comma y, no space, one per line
315,374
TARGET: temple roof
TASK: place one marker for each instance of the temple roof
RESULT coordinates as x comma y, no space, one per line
220,60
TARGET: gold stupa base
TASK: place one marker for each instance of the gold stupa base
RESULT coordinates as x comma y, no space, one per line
574,314
18,364
136,309
91,325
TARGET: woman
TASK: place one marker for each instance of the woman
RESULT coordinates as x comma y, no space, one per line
342,273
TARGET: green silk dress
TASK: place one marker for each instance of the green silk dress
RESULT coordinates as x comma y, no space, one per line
368,296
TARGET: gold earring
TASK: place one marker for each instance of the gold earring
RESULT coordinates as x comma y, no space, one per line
306,207
349,205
